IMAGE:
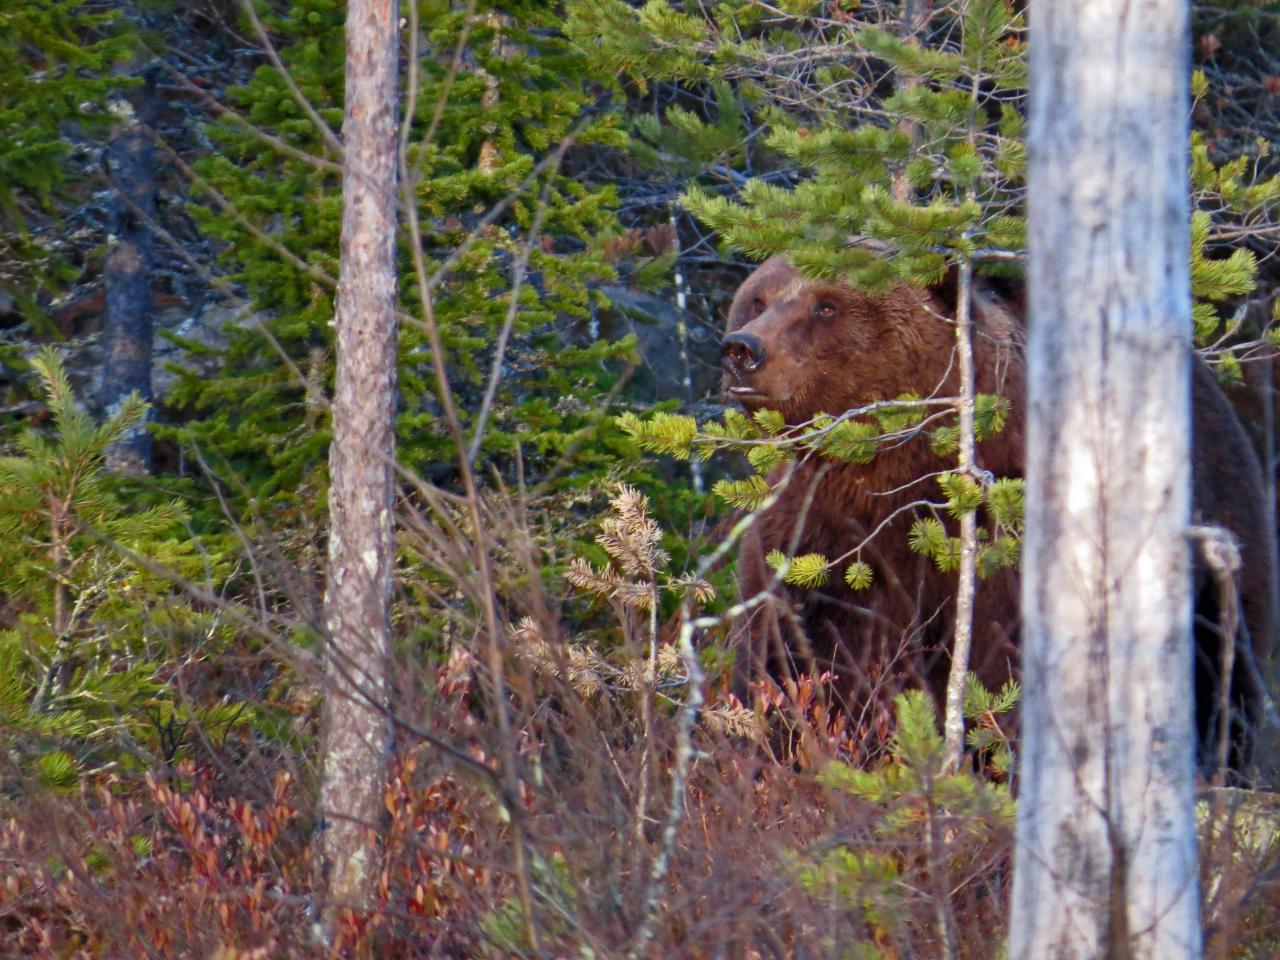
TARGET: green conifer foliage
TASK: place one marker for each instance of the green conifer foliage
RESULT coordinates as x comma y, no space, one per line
870,885
815,90
484,140
882,153
908,138
900,155
54,61
961,105
92,634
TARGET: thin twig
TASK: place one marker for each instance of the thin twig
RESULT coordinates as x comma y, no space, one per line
683,759
938,873
518,270
953,723
510,789
326,132
954,716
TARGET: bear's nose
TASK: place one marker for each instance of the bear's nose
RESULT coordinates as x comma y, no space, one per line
742,351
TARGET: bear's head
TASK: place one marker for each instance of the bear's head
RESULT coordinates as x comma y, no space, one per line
804,347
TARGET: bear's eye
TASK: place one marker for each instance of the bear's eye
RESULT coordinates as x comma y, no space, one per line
824,309
757,306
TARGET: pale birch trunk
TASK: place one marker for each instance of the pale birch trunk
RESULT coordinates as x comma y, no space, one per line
357,599
1106,851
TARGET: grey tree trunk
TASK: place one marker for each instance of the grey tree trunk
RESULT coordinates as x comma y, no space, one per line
131,169
357,604
1106,852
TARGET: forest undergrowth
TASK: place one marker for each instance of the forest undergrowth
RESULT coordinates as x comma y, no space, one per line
781,836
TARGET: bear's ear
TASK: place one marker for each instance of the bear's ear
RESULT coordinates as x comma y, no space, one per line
1010,290
945,289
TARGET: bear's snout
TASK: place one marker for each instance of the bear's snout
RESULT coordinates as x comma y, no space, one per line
741,353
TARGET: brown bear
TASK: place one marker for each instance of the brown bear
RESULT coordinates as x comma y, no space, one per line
804,347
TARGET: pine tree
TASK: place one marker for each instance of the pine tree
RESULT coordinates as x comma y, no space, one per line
906,138
362,554
519,92
94,626
909,797
55,57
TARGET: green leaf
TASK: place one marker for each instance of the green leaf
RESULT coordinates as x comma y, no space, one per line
858,575
990,412
809,570
1228,369
927,536
1205,321
1003,552
895,419
666,433
58,770
764,457
746,494
916,741
962,493
945,440
852,440
770,421
1199,85
1006,499
734,426
1218,280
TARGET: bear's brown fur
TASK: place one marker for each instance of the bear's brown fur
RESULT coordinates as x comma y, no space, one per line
804,347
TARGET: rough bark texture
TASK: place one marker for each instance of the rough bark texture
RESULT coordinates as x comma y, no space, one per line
131,169
361,533
1105,862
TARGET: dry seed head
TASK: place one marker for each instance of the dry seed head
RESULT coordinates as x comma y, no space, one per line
702,591
585,577
526,632
632,538
670,662
578,666
731,721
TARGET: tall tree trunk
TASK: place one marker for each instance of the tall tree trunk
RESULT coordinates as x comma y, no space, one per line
357,605
1106,853
131,168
